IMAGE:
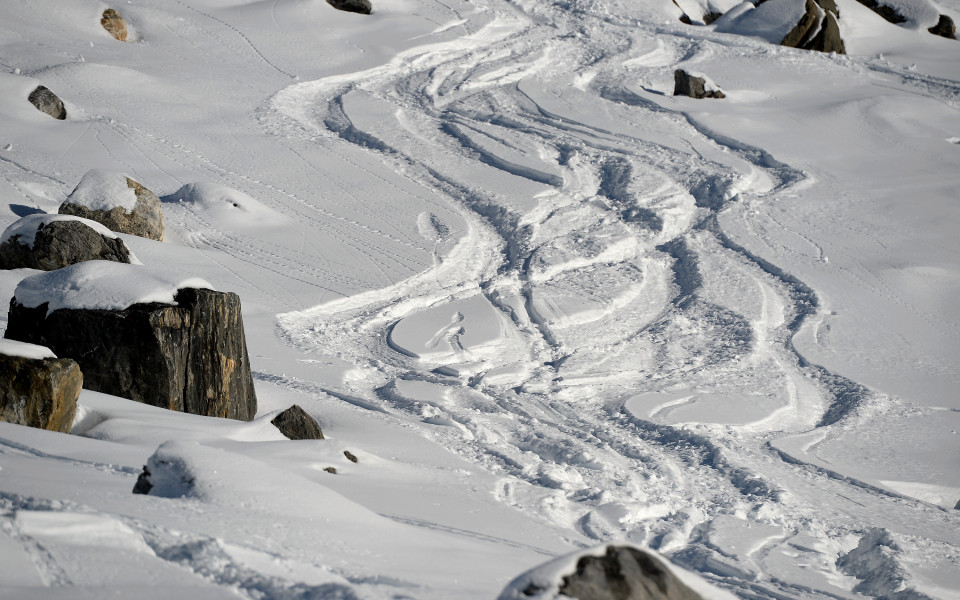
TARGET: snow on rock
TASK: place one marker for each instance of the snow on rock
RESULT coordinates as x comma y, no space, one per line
103,190
99,284
117,201
25,350
50,242
595,573
27,227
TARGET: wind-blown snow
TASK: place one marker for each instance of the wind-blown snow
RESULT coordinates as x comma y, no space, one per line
544,302
102,284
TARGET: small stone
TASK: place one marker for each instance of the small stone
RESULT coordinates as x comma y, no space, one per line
48,102
350,456
143,485
687,84
362,7
296,424
945,27
331,470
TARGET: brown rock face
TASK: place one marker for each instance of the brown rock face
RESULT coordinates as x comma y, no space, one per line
685,84
624,573
114,24
59,244
39,393
817,29
945,27
48,102
146,220
191,357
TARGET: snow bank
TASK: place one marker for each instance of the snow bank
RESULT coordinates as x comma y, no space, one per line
28,226
15,348
99,284
104,190
226,205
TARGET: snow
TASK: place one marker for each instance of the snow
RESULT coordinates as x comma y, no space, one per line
544,302
104,190
102,284
33,351
27,227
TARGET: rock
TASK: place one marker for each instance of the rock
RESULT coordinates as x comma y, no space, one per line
105,197
710,17
807,24
350,456
39,392
48,102
614,572
114,24
331,470
49,242
191,357
828,38
143,485
695,86
357,6
887,12
945,27
296,424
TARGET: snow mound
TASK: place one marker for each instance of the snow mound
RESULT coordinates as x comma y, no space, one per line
770,21
101,284
28,226
15,348
103,190
544,582
224,205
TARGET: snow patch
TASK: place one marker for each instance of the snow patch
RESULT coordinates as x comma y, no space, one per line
104,190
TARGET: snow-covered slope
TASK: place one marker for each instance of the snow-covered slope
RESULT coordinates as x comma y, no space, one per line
545,303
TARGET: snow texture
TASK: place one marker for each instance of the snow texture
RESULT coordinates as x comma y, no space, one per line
27,227
15,348
104,190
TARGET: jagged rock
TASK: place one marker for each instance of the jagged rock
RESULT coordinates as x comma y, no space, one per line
830,6
887,12
687,84
296,424
945,27
48,102
49,242
39,392
624,573
191,357
828,38
807,24
350,456
357,6
710,17
114,24
118,202
143,485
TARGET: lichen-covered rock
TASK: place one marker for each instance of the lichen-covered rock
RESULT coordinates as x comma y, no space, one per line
357,6
296,424
695,86
39,392
49,242
945,27
191,357
114,24
118,202
48,102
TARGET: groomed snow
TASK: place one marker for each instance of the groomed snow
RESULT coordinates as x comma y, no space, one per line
101,284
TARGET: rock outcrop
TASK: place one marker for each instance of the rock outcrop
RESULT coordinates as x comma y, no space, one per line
357,6
695,86
49,242
887,12
191,357
39,392
296,424
817,29
114,24
48,102
945,27
97,197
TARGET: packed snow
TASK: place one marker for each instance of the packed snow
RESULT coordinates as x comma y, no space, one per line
104,190
544,303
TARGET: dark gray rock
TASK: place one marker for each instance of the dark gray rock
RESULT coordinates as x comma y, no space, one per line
945,27
357,6
59,244
296,424
625,573
39,393
350,456
686,84
887,12
191,357
146,219
114,24
48,102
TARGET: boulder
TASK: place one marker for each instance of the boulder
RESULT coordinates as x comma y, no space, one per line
36,388
945,27
887,12
694,85
49,242
48,102
817,29
190,356
296,424
828,38
614,572
114,24
118,202
357,6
